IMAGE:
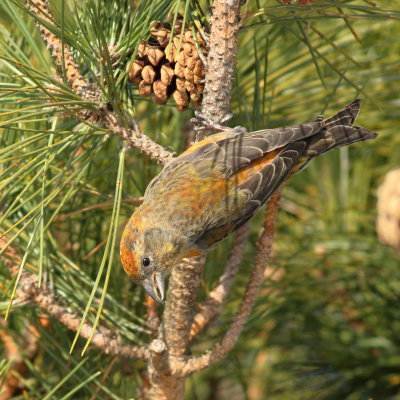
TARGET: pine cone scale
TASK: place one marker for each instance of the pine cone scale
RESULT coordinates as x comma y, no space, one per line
166,67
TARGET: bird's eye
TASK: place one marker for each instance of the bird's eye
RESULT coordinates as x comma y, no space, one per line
145,261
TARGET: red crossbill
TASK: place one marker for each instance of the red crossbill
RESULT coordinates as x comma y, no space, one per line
217,185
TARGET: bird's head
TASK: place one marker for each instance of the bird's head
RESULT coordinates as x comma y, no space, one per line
147,255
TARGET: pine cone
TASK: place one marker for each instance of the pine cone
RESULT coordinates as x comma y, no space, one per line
388,220
168,67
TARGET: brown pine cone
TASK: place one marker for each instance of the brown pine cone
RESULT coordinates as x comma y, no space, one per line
168,64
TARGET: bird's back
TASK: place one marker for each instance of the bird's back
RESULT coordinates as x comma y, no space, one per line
222,181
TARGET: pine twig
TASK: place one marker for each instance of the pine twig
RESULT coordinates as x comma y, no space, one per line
135,138
62,217
264,247
29,292
104,338
212,307
81,86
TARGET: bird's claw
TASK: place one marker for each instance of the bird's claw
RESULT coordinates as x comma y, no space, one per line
204,122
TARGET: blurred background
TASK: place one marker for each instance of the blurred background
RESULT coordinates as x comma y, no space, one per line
327,321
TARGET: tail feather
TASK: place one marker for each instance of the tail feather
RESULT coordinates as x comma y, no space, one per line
337,136
346,117
338,131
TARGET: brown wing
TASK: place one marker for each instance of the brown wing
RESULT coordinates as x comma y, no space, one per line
262,184
257,188
241,148
259,183
229,154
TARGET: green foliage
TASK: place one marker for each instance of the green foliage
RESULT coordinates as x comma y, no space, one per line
325,324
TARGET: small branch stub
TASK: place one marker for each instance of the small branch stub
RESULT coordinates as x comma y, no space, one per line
157,351
157,346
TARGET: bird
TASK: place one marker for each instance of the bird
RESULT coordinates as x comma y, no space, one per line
216,186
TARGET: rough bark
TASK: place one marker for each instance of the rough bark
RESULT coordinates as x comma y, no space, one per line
103,338
221,61
173,344
216,298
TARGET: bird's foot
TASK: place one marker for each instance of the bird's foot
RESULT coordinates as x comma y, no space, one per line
203,122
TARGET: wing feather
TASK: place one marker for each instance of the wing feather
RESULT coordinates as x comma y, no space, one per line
273,175
229,154
258,188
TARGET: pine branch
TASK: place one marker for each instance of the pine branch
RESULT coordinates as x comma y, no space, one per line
135,138
29,292
212,307
61,54
264,247
184,284
221,61
63,58
104,338
166,383
173,345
